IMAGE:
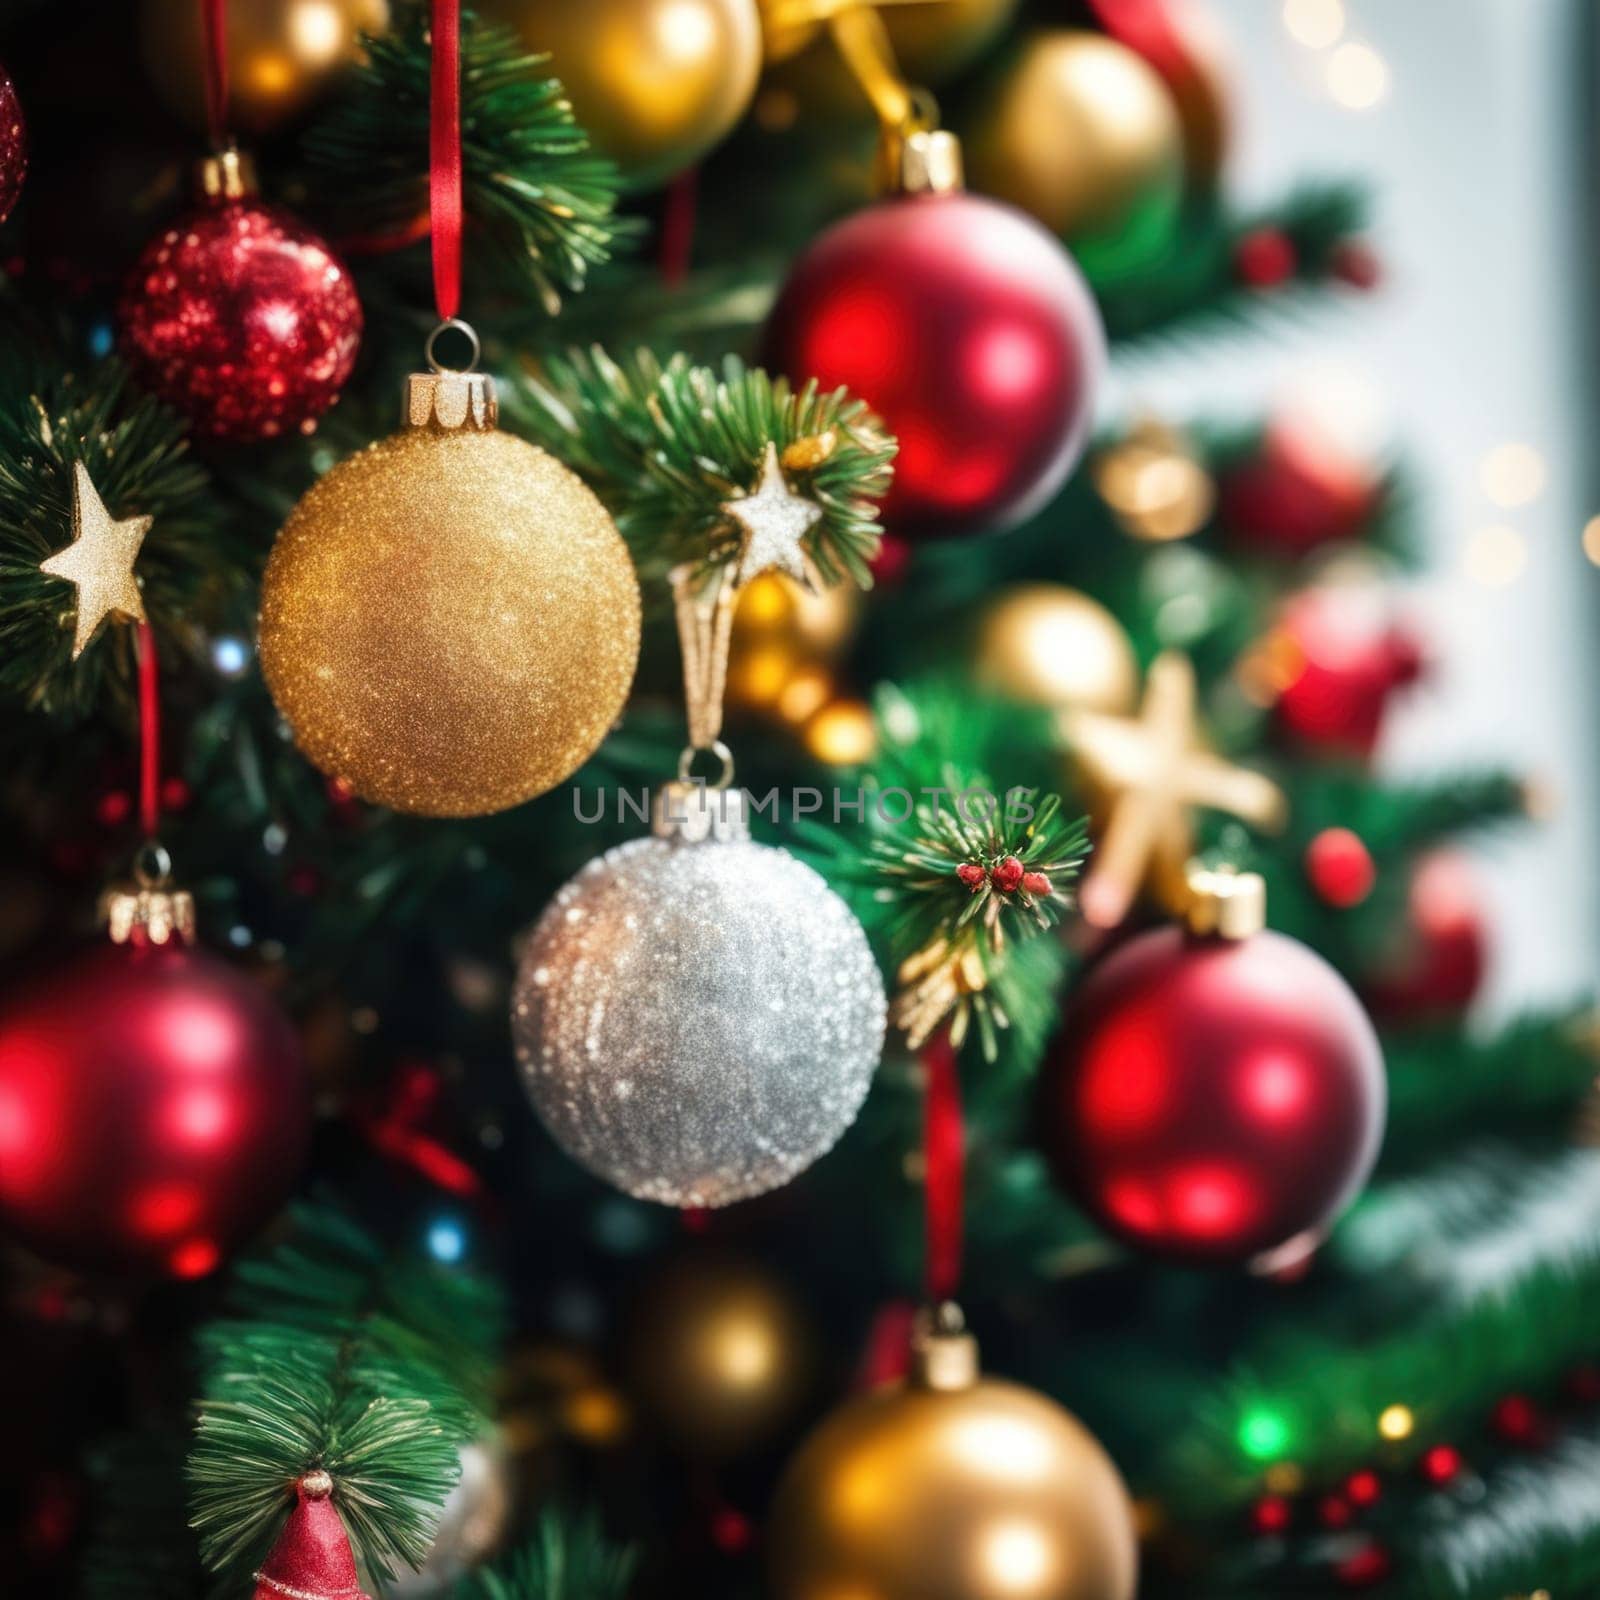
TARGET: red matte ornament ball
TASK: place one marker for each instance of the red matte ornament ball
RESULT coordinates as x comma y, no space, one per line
154,1110
1439,957
1265,259
1340,869
1213,1100
13,146
243,320
971,333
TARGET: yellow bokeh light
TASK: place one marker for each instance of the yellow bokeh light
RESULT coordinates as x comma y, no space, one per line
1512,474
743,1352
1316,24
805,694
1496,556
1591,539
1396,1422
843,734
317,31
1358,77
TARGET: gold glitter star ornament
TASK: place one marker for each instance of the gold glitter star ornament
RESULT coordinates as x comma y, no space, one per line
449,619
774,521
99,561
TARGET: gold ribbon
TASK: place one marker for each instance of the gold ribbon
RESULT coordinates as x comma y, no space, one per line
704,607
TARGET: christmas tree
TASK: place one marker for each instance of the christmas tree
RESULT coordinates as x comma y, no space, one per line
679,921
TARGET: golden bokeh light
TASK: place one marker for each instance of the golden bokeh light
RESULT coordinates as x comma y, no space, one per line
1396,1422
1512,474
843,734
1316,24
1358,77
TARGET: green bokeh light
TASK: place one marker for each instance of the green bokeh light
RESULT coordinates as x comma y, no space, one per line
1263,1433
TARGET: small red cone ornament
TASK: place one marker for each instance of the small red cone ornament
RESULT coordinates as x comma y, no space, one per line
312,1559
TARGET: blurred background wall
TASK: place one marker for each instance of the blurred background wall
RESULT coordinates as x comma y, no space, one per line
1472,118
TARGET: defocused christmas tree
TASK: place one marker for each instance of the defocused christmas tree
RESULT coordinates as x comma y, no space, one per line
1080,869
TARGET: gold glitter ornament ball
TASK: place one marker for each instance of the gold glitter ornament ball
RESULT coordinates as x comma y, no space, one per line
449,620
952,1486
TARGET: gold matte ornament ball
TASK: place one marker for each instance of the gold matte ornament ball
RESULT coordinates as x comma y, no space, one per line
654,83
449,619
943,1489
1048,645
1082,134
719,1354
282,54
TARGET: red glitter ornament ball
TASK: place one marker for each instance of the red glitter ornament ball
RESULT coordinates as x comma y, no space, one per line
1214,1100
243,320
154,1108
13,145
970,331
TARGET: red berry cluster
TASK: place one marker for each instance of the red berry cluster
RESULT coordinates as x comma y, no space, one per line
1006,875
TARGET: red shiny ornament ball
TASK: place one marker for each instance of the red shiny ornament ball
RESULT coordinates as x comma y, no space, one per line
1441,1465
971,333
243,320
154,1109
1339,867
1300,491
1344,659
1440,955
1265,258
13,146
1214,1100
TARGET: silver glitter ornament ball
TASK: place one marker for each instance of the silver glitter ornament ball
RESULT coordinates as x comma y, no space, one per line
697,1017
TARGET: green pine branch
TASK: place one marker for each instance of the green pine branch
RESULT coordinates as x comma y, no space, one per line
531,185
192,569
1445,1087
951,865
667,446
1316,1396
361,1362
1195,283
568,1557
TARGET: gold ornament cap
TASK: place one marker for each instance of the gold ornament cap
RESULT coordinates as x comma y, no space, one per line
944,1356
451,401
930,162
692,813
227,175
1225,903
452,398
149,909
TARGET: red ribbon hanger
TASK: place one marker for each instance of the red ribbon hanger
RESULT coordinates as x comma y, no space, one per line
444,157
944,1156
214,32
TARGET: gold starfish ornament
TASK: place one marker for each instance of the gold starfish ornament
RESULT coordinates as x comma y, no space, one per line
1145,775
